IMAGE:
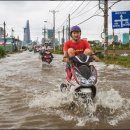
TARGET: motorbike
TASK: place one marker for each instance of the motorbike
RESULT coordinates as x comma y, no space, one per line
81,78
47,56
37,48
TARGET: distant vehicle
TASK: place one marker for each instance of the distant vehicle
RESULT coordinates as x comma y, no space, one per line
30,47
37,48
47,56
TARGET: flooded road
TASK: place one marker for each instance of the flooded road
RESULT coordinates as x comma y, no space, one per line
30,97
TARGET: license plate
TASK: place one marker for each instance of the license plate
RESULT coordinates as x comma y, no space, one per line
86,90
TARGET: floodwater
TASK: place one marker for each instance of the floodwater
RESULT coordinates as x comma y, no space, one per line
30,96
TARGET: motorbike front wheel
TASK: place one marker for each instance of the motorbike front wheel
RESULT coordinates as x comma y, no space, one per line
63,87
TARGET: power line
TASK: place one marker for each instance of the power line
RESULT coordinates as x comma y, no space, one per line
77,8
89,17
72,7
85,12
114,3
65,8
62,24
67,18
84,7
59,5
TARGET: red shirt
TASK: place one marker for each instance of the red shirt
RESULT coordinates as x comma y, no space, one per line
78,47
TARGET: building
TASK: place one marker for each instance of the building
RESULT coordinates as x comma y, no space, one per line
12,44
125,37
110,38
27,39
1,31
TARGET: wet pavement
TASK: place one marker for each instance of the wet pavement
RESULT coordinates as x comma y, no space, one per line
30,96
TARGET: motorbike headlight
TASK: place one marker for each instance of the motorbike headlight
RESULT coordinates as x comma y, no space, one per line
80,78
83,81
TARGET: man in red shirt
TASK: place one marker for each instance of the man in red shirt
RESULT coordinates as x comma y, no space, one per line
77,45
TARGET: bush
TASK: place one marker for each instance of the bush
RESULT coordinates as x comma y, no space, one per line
120,60
2,52
57,51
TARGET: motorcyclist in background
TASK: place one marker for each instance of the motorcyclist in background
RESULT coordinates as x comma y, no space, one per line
46,47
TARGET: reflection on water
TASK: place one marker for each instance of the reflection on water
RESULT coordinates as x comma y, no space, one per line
30,96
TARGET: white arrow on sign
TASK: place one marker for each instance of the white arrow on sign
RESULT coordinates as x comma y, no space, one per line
121,20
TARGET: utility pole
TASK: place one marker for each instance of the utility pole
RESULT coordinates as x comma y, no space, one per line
113,42
105,30
44,31
59,38
69,27
99,4
67,31
4,35
12,32
63,37
106,26
129,38
53,11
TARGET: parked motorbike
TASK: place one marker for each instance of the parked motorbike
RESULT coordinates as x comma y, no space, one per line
81,78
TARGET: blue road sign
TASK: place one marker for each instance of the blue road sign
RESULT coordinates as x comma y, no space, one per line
121,19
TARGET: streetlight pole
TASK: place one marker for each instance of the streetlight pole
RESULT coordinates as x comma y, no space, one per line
53,11
12,32
69,27
59,38
4,34
44,32
63,37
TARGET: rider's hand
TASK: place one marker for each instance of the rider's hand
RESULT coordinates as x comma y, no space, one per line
66,59
96,58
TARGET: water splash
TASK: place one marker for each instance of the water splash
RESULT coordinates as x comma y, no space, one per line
110,99
118,118
114,107
52,99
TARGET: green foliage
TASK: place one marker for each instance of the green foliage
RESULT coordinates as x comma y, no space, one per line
58,51
2,52
120,60
119,46
100,54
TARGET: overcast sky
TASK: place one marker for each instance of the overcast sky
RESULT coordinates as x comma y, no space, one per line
16,13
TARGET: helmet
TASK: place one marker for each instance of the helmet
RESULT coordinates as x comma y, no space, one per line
75,28
46,43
